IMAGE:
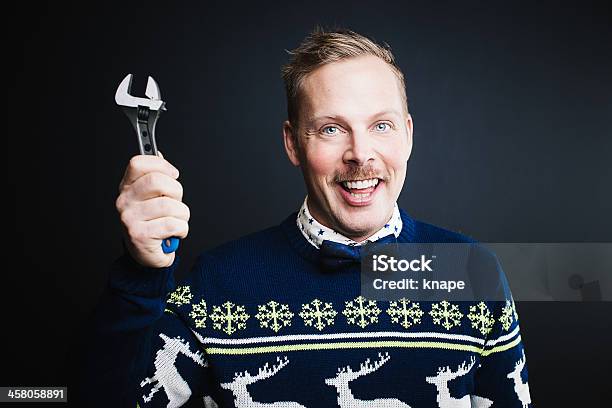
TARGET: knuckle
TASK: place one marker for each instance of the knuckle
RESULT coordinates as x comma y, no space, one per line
185,228
179,188
140,238
134,163
187,211
123,186
123,203
135,233
120,203
125,217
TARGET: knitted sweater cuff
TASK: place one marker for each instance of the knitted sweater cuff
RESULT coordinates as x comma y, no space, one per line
129,277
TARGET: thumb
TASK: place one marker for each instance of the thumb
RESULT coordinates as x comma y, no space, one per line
159,153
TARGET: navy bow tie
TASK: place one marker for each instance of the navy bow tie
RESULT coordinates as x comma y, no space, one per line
333,256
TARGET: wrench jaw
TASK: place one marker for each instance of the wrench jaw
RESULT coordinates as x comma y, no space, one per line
124,98
152,90
122,95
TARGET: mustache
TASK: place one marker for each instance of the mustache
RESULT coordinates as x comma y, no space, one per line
359,173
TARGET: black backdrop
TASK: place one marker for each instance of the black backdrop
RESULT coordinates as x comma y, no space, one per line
512,107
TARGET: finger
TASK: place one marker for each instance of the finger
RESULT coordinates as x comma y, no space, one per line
142,164
160,207
166,227
153,185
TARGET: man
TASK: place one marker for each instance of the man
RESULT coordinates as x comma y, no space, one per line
276,318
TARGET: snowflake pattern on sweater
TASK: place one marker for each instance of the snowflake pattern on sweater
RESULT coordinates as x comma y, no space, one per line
257,323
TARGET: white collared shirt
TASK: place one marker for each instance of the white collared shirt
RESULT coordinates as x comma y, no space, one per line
316,232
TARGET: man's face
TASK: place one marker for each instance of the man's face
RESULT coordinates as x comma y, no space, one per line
352,142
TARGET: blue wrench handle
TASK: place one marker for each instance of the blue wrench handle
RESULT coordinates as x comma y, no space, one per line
170,245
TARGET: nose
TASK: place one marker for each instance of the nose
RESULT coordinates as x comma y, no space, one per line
359,150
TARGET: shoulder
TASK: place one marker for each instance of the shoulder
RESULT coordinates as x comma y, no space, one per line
482,261
262,242
443,235
421,231
259,247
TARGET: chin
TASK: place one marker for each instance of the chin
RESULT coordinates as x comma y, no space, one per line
363,221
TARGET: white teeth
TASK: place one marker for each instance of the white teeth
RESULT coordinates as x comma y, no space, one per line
360,184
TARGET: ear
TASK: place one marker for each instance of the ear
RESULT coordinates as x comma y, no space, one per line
409,129
290,138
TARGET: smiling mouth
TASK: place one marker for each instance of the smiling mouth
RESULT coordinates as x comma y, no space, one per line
359,187
359,192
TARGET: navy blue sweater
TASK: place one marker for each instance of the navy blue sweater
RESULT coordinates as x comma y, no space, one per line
257,321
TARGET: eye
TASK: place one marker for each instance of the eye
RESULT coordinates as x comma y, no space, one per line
330,130
382,127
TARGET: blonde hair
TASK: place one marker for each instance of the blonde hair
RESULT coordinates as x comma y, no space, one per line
324,47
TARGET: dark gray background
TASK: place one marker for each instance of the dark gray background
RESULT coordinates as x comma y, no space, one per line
511,104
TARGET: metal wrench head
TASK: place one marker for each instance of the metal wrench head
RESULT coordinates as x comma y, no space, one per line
152,90
124,98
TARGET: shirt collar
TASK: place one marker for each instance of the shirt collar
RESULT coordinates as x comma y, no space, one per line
316,233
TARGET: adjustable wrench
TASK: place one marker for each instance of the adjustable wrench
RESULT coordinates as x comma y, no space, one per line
143,114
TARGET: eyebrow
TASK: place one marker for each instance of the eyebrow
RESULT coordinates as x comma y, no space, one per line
381,113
